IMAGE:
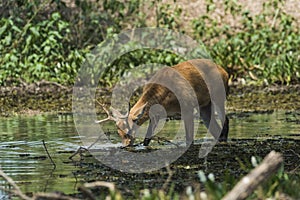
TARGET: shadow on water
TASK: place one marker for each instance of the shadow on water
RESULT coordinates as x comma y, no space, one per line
23,157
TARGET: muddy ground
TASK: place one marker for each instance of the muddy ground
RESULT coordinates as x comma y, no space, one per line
228,162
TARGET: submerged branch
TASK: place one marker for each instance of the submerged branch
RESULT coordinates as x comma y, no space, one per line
49,156
16,191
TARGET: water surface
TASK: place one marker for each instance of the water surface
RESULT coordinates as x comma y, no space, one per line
24,159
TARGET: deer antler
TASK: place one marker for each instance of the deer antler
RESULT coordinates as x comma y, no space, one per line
109,116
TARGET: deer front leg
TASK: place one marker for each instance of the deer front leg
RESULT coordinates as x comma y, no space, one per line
224,134
189,127
152,125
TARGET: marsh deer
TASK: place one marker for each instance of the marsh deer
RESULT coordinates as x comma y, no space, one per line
201,77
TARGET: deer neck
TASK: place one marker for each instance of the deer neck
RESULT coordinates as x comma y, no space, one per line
150,97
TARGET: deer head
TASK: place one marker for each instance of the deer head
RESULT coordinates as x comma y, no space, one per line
125,126
125,123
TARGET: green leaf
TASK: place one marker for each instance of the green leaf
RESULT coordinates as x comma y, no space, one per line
55,33
34,31
55,16
38,67
8,39
3,28
28,40
47,49
15,28
62,25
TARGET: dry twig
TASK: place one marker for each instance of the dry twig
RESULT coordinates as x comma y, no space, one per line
108,185
85,188
56,196
50,196
170,174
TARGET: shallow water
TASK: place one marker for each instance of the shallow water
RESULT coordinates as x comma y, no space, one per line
24,159
23,156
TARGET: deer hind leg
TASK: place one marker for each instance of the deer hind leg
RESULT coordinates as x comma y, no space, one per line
189,127
225,130
225,121
208,116
152,125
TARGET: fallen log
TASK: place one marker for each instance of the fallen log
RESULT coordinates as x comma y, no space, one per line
251,181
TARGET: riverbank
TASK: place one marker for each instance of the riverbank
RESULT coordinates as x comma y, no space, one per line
48,97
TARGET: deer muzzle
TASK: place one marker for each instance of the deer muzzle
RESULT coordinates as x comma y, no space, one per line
128,140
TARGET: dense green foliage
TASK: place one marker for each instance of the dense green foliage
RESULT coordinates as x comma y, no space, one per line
37,51
49,40
263,47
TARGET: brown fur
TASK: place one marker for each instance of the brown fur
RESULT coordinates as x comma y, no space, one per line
177,76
